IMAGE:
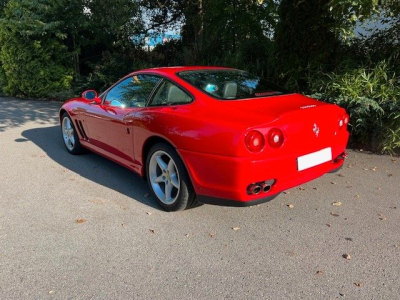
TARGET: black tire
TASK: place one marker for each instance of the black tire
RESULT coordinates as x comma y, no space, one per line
185,196
73,148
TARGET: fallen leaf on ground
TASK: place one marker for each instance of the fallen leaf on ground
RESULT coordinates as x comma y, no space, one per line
302,189
329,225
235,228
333,182
346,256
79,221
382,217
187,235
291,206
314,188
348,239
358,196
335,215
319,272
358,284
390,175
51,292
338,203
211,234
149,213
152,230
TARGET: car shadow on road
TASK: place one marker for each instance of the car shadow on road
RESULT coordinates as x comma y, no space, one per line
90,165
16,112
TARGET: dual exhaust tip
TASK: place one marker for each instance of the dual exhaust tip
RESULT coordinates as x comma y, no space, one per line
257,188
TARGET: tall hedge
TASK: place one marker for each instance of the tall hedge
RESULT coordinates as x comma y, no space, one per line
305,41
34,60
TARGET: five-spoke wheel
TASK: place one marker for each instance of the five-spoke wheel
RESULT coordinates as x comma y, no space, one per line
168,179
70,137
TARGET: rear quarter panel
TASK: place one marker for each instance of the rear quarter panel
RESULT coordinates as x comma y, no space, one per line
187,129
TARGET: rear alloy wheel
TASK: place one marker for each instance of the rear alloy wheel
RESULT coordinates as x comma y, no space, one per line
168,179
70,137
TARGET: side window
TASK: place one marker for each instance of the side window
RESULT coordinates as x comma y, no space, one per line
170,94
132,92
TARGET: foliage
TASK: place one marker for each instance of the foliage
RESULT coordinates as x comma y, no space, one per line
371,95
349,12
57,48
305,42
33,57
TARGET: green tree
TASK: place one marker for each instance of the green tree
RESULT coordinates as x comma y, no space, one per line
33,56
305,42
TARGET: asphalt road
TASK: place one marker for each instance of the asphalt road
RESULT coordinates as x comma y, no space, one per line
82,227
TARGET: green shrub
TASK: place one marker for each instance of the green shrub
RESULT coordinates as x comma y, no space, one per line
34,60
371,95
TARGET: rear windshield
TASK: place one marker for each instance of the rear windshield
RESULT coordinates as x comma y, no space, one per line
231,84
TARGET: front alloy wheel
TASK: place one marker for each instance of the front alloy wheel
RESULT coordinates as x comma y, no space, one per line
70,137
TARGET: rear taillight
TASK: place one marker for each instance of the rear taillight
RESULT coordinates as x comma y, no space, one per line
255,141
275,138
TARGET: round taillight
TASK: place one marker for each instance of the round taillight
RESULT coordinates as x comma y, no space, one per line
255,141
275,138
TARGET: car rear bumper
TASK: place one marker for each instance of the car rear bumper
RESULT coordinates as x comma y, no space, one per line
224,180
229,202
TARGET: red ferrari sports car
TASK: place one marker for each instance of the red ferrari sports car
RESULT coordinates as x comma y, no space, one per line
208,134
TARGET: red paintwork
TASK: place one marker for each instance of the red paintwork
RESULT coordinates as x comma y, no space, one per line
209,134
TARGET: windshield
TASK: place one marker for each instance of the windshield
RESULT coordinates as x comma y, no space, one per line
231,84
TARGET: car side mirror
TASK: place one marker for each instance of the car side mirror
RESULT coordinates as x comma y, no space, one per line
91,95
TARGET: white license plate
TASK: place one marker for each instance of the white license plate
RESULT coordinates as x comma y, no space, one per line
314,159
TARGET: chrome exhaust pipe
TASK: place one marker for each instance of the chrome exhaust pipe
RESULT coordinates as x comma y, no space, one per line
265,187
340,158
253,189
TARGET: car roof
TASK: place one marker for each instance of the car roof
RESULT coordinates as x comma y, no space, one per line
177,69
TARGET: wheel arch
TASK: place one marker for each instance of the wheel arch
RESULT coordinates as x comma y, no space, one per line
62,111
146,148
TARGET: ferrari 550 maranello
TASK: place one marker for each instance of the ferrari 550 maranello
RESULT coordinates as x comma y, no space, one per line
208,135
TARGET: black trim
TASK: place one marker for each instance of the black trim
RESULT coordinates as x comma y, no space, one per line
228,202
154,91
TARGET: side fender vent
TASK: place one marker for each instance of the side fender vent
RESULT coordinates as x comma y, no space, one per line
81,130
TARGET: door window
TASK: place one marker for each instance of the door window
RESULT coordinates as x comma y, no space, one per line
170,94
132,91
